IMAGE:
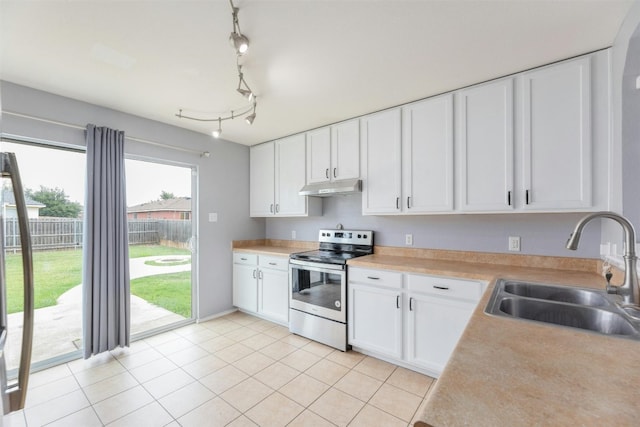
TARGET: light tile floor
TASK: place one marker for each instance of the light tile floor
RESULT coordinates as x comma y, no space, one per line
237,370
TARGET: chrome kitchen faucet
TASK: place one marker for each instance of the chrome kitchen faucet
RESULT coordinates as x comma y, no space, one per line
629,290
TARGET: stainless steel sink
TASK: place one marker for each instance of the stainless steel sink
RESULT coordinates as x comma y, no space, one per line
586,309
580,296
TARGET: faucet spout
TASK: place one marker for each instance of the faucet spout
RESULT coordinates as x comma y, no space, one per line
630,289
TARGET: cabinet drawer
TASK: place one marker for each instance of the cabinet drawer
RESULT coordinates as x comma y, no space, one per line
444,286
242,258
275,262
390,279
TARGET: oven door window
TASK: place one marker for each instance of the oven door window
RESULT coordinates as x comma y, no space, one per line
318,288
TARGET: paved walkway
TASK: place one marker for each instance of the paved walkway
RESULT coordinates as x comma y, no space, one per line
58,328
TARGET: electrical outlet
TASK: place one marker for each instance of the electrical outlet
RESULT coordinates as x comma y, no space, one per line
514,243
408,239
293,234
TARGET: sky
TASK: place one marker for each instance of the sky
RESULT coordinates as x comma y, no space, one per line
66,170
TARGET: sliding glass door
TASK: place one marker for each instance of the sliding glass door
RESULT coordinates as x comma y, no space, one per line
160,208
53,178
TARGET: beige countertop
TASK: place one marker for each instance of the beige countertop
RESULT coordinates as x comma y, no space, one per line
513,372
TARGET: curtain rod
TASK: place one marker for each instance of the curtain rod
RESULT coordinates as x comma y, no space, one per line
131,138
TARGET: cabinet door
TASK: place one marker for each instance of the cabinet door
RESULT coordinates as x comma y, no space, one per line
557,136
345,150
435,326
375,320
290,176
319,155
486,147
274,294
381,162
245,287
261,179
427,155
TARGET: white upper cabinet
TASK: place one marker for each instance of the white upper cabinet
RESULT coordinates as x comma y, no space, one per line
485,147
333,153
318,155
345,150
556,136
261,179
277,174
290,176
381,162
427,156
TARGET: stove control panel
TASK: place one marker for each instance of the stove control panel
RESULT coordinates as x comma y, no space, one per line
352,237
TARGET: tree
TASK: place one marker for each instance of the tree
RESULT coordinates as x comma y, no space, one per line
57,203
165,195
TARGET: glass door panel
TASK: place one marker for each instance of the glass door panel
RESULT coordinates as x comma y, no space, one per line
54,198
159,209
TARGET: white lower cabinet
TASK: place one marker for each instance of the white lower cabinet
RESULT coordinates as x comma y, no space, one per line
261,285
375,320
434,327
412,319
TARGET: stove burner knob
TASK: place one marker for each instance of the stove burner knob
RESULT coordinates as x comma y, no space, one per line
359,236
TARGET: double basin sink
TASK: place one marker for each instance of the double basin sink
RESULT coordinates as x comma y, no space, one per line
582,308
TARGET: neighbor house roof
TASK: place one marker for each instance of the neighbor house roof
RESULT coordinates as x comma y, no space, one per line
9,199
180,204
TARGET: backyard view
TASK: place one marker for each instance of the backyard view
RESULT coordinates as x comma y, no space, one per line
58,271
160,232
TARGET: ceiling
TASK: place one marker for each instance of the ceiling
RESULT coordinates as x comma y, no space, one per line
311,62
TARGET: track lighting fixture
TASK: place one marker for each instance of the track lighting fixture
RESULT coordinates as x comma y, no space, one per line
239,41
246,90
251,117
241,44
216,133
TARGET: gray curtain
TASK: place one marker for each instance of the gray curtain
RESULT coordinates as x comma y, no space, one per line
106,318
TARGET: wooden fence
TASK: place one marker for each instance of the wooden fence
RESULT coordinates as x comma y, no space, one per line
66,233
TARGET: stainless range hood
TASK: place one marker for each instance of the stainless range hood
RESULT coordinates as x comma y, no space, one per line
332,188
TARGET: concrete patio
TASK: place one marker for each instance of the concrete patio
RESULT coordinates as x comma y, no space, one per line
58,328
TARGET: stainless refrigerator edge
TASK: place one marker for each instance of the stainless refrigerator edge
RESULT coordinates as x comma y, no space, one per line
13,393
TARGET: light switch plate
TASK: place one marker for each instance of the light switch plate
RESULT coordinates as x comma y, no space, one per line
408,239
514,243
213,217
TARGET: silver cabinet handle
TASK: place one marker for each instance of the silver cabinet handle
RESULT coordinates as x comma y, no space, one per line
443,288
277,207
273,263
260,274
326,173
397,202
411,304
18,392
408,202
526,197
254,274
397,301
271,208
335,172
508,198
243,259
373,278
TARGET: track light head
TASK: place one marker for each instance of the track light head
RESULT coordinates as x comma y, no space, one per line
250,118
240,42
246,93
216,133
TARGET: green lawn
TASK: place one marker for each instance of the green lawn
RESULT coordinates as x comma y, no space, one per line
55,272
169,291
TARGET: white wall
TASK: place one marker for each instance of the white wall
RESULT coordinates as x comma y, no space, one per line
542,234
223,184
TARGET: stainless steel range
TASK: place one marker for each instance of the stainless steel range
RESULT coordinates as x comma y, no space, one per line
318,280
